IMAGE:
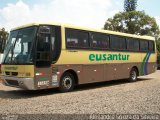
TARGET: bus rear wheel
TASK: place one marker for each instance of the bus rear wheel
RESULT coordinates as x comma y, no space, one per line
133,75
67,82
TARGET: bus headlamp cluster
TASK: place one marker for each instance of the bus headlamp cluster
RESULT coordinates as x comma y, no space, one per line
24,74
21,74
3,73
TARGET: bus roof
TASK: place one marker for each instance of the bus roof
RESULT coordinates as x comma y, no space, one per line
89,29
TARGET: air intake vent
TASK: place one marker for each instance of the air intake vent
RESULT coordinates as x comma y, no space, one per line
12,82
7,73
14,73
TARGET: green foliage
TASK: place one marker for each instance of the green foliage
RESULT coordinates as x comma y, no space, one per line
158,46
3,38
134,22
158,52
130,5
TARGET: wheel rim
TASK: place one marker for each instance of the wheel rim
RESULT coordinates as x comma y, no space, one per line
67,82
133,75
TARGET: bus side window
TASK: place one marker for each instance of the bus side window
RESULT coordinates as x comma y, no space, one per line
114,42
72,42
151,46
100,41
130,44
55,43
122,43
77,38
144,45
117,42
136,45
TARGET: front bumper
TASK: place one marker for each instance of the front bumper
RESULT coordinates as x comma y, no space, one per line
24,83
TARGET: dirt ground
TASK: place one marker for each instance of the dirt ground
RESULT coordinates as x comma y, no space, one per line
113,97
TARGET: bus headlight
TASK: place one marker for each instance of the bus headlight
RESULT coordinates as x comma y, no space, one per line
3,73
21,74
28,74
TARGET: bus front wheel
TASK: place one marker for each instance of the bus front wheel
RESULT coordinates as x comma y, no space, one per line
67,82
133,75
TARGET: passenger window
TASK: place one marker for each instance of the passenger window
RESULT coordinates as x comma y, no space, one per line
114,42
77,38
144,45
151,46
122,44
100,41
136,45
118,43
132,44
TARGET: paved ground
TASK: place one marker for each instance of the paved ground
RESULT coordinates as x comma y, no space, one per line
121,97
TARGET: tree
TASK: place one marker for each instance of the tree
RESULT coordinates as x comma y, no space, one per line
130,5
3,38
134,22
158,46
158,52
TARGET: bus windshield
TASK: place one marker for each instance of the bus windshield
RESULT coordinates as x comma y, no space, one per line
19,48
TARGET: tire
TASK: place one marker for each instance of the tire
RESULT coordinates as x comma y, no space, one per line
133,75
67,82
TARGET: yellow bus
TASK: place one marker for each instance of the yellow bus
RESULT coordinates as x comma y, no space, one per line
41,56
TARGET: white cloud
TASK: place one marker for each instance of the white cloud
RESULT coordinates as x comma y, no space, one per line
14,14
158,20
90,13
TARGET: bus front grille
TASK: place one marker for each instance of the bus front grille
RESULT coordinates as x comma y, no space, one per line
12,82
14,73
7,73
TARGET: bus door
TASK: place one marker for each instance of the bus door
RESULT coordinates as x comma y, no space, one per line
43,69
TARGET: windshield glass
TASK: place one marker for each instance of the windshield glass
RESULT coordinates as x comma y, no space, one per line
19,46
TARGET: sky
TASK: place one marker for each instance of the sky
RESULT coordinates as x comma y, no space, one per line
87,13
